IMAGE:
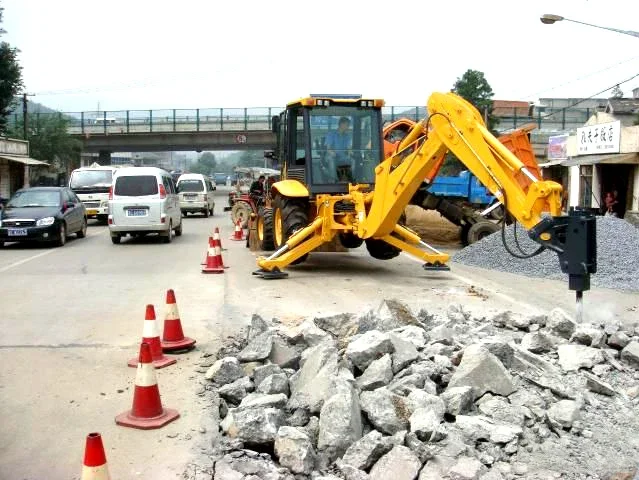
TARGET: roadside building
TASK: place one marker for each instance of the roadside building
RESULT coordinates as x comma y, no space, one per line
16,166
601,157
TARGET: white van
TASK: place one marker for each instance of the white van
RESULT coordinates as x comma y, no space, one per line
144,200
91,185
196,194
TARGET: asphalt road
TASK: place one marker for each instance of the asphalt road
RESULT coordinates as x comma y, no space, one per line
71,317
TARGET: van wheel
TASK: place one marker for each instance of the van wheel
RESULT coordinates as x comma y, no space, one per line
115,239
206,213
168,237
83,229
178,230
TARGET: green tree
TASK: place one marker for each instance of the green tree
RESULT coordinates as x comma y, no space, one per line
205,164
616,92
10,78
473,87
49,140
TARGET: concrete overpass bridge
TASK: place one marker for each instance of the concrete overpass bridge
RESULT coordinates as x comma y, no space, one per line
106,132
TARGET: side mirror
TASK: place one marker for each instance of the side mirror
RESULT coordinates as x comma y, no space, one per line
275,124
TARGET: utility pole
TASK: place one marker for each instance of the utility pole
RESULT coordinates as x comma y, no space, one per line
25,114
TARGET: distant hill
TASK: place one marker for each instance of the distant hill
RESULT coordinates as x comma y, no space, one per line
33,107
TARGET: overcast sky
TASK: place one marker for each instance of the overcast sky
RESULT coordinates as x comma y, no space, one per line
140,54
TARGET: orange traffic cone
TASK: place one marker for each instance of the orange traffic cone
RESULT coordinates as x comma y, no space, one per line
173,337
216,236
94,466
214,262
238,235
151,335
147,411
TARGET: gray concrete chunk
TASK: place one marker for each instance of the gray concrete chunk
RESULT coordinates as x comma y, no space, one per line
253,425
404,352
387,411
466,468
258,348
398,464
340,422
560,324
378,374
481,370
537,342
630,354
276,383
261,372
574,357
294,450
563,413
458,400
363,453
310,384
413,334
368,347
225,370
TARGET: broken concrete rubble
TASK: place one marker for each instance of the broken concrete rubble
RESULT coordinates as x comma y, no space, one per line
476,402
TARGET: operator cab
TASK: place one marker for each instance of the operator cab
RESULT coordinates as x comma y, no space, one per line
330,141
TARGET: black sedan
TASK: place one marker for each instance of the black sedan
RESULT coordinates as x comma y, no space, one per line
47,214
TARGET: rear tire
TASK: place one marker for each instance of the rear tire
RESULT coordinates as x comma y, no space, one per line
83,229
348,240
480,230
178,230
206,212
293,216
265,232
168,237
115,239
381,250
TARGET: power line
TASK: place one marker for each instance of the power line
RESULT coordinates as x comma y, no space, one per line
581,100
583,77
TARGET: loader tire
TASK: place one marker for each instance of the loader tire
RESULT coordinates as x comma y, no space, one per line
265,233
480,230
289,216
381,250
241,211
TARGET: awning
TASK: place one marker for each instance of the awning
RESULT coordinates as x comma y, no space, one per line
552,163
24,160
632,158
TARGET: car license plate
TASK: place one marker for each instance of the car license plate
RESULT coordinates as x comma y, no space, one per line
92,212
136,212
17,232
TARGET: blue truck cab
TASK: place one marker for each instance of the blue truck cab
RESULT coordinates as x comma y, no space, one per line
465,187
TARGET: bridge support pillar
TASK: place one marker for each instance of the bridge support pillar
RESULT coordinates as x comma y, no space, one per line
104,157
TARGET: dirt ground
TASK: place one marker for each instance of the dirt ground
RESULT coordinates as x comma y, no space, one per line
431,226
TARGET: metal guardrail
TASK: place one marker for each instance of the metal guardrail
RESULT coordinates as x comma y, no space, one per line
242,119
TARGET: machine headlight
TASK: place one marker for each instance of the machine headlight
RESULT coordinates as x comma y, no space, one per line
104,203
43,222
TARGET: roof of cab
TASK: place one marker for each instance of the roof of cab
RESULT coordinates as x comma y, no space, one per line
135,171
192,176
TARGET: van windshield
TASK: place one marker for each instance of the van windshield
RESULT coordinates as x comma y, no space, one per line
190,186
136,186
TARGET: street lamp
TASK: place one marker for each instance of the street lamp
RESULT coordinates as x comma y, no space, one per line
549,19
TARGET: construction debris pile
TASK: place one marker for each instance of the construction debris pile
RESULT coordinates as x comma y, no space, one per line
393,395
617,259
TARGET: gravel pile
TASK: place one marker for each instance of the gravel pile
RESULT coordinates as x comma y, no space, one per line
393,395
617,255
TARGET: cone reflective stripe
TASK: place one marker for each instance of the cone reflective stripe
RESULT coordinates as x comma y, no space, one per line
214,262
147,412
173,336
151,336
94,466
238,235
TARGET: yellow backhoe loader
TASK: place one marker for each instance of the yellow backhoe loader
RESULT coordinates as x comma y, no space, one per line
336,182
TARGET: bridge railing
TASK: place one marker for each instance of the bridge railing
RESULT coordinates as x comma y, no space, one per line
260,118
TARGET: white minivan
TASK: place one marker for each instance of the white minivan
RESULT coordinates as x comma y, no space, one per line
196,194
144,200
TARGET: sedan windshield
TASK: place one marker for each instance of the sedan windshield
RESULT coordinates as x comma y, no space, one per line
190,186
35,198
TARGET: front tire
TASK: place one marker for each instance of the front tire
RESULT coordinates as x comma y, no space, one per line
206,213
265,232
289,216
62,235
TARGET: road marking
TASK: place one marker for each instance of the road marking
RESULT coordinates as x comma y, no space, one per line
41,254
